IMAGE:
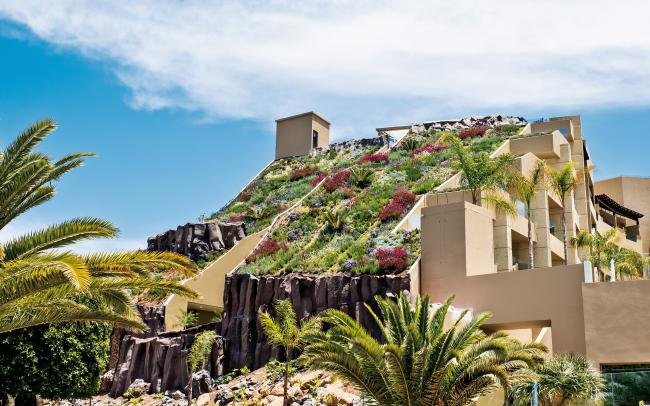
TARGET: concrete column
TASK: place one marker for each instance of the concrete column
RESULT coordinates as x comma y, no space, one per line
540,215
503,243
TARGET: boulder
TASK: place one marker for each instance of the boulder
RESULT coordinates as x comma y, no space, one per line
204,400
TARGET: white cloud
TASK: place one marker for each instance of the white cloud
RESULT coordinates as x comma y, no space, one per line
360,63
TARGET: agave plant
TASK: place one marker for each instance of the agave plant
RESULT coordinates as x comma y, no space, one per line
335,220
40,281
408,144
361,175
420,362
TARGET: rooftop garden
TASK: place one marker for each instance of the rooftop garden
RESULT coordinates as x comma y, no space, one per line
347,223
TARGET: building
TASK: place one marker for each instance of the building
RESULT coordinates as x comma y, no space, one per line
300,134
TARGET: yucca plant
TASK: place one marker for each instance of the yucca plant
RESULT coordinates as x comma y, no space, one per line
361,175
408,144
526,187
420,362
564,379
286,332
485,177
40,281
563,181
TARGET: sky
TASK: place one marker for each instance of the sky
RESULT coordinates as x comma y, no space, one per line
179,98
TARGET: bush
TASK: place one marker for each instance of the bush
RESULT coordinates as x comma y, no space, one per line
403,197
473,132
336,180
372,158
55,362
318,179
236,218
390,211
425,185
266,248
425,149
392,259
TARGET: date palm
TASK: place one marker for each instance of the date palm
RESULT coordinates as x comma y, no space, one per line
40,280
485,177
420,362
563,379
599,245
526,187
563,181
286,332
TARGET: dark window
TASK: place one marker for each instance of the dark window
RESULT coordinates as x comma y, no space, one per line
314,139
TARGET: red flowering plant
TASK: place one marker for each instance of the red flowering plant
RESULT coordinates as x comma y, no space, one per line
425,149
390,211
336,180
235,218
373,158
401,199
318,179
302,172
266,248
439,146
473,132
392,259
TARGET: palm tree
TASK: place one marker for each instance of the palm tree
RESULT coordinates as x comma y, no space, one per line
482,175
285,331
525,187
599,245
40,281
628,262
563,181
562,379
421,363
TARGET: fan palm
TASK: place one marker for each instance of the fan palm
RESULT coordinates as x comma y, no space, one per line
40,281
563,181
482,175
525,187
285,331
561,380
421,361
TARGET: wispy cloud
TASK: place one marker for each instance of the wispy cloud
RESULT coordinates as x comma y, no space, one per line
358,61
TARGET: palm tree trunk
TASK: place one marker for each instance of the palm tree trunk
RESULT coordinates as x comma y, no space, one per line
531,257
475,194
564,240
286,381
189,390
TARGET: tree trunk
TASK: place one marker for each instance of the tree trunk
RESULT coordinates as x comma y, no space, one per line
475,196
531,254
189,389
286,380
564,240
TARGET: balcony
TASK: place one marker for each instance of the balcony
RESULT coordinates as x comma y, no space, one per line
545,146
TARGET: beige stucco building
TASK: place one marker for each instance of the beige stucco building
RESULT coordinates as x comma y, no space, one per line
299,134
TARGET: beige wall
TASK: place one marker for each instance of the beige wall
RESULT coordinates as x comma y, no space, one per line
294,135
209,284
633,193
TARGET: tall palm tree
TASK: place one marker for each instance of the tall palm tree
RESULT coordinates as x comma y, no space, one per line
526,187
628,262
40,281
563,181
286,332
562,379
421,361
482,175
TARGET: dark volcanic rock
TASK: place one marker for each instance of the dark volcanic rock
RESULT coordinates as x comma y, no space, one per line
245,295
161,361
197,241
152,316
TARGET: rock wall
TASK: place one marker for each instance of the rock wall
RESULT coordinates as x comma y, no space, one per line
197,241
160,361
152,316
245,295
356,144
457,125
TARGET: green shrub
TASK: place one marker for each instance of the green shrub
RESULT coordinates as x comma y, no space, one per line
56,362
425,185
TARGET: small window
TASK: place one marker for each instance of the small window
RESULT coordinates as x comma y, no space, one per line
314,139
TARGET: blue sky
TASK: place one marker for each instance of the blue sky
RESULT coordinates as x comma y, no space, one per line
181,115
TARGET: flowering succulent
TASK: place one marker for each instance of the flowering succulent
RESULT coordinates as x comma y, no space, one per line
349,264
266,248
391,210
236,218
294,216
302,172
439,146
406,236
374,232
318,179
425,149
336,180
403,197
294,234
372,158
473,132
392,259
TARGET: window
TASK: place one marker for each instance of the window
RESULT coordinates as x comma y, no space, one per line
314,139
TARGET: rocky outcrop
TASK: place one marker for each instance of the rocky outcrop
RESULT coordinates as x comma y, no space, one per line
350,145
152,316
199,240
462,124
161,362
245,295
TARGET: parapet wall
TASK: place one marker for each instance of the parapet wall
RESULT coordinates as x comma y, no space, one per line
245,295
